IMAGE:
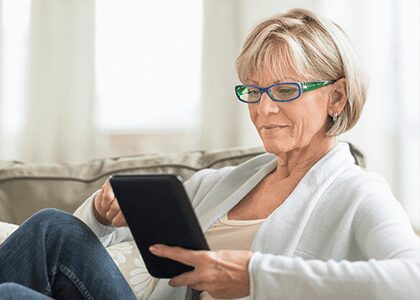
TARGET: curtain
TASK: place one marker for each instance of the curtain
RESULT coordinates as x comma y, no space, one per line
220,116
60,84
13,31
386,35
1,78
50,118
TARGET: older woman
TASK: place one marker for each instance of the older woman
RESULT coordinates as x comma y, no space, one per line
302,221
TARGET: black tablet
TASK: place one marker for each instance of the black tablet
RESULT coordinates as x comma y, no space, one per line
158,211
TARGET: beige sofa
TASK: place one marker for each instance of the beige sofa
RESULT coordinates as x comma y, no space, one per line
27,188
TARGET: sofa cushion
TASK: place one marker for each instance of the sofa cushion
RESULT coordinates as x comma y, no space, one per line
6,229
28,187
128,259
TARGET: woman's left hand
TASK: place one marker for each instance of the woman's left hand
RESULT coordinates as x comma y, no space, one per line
223,274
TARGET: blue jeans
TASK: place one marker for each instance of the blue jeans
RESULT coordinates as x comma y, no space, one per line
11,290
54,254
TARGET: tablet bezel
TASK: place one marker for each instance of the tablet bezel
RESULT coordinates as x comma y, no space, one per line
142,198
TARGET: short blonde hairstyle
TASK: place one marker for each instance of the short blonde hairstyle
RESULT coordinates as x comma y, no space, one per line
312,47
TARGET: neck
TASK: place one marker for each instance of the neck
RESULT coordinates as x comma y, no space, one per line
298,161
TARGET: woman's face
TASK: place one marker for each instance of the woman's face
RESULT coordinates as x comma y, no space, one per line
288,126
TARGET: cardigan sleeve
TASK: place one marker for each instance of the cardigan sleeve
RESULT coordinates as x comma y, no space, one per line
391,271
280,277
107,235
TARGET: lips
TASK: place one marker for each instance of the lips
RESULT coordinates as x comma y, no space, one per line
271,126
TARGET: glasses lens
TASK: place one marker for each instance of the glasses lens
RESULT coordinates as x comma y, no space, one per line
247,93
284,92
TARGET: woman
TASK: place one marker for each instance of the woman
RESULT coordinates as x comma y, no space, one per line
54,254
302,221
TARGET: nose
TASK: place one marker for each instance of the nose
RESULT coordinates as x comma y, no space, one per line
266,106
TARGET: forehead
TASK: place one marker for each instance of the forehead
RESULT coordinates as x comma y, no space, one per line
271,65
266,77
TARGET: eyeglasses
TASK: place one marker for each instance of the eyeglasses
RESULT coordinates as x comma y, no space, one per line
279,92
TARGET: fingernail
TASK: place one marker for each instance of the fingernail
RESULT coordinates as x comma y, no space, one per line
153,248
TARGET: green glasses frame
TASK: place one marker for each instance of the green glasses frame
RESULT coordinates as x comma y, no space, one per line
302,88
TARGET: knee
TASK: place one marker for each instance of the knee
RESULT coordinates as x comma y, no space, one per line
9,289
51,214
54,220
57,227
46,218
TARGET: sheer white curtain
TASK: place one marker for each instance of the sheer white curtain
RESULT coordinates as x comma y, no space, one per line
60,86
220,117
386,35
47,80
148,74
13,28
105,69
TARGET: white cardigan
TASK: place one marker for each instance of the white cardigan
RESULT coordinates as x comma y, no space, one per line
339,234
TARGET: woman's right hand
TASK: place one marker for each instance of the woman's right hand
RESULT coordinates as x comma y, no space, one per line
106,208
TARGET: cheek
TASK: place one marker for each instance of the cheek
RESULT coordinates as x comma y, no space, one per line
306,118
252,113
310,120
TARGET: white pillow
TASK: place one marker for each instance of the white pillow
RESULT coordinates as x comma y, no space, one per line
6,229
128,259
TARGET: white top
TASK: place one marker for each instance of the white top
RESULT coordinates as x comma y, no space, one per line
230,235
339,234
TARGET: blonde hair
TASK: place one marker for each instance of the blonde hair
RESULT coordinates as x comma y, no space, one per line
314,49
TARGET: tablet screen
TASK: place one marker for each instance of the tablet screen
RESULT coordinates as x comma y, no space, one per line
158,211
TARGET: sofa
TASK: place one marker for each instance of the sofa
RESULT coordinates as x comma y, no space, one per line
28,187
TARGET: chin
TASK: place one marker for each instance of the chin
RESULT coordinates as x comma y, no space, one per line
276,146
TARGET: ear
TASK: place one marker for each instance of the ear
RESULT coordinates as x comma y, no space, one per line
338,97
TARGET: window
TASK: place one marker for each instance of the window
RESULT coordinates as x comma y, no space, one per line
14,38
148,59
408,107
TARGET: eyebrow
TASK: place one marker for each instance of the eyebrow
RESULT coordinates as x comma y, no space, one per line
284,80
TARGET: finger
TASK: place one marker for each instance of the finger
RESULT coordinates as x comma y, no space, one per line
188,278
105,183
119,220
102,205
98,199
105,186
115,206
108,195
113,210
200,287
185,256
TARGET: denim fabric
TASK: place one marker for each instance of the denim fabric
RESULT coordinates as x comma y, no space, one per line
14,291
57,255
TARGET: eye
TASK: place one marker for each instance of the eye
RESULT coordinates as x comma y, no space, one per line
253,91
286,91
248,93
243,90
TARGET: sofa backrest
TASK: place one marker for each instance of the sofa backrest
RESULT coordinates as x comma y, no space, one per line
28,187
